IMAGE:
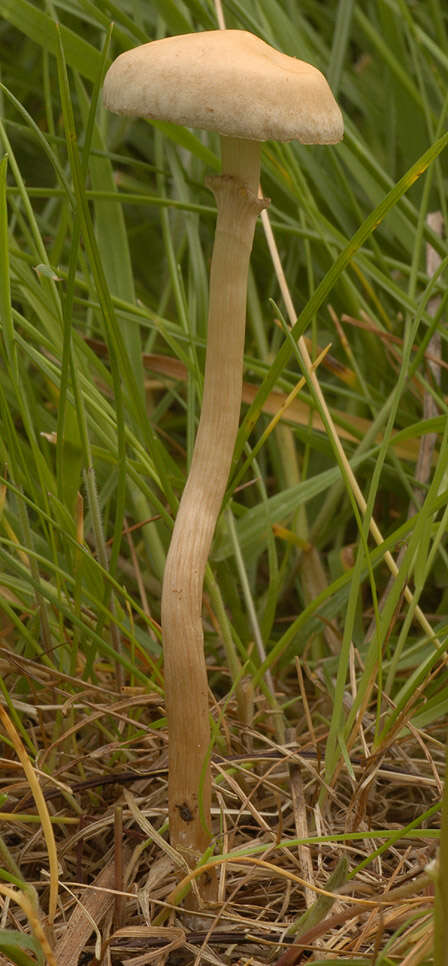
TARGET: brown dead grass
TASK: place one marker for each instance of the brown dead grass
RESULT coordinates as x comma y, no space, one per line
102,768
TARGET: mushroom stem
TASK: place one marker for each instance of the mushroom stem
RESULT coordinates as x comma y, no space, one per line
189,783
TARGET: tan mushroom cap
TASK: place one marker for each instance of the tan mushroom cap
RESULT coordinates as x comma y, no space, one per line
227,81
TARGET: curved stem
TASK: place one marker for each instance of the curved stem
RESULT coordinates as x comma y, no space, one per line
185,669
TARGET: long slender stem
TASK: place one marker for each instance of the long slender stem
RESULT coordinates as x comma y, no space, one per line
185,669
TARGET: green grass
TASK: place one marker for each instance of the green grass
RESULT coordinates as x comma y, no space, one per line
106,230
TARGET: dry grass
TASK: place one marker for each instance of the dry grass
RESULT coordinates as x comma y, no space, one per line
103,774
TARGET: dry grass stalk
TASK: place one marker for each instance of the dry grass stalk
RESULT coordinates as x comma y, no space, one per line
90,908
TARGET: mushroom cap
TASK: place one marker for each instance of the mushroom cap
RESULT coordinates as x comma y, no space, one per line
227,81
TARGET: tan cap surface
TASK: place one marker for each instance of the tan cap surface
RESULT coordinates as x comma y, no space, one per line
227,81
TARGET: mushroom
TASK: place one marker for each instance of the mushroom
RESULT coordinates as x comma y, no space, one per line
230,82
